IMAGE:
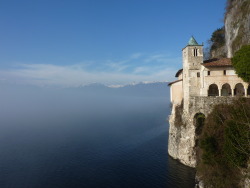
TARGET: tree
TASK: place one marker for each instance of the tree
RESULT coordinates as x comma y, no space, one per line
224,152
216,44
218,38
241,63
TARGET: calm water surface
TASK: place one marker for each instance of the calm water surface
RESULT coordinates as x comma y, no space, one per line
87,141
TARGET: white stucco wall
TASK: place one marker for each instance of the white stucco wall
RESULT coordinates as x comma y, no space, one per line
180,76
176,92
217,77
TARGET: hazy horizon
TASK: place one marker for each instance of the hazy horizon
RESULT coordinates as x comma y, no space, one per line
70,43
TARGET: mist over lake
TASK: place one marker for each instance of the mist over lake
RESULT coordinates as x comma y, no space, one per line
92,136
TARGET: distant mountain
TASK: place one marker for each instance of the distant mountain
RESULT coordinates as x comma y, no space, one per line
140,89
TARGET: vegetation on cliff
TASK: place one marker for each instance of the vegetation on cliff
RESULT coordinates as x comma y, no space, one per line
178,121
234,34
229,5
218,38
216,44
238,14
225,145
241,63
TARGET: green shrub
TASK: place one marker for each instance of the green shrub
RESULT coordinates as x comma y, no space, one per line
218,38
225,144
209,145
241,63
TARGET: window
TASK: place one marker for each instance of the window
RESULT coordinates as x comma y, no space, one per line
225,72
195,52
208,73
198,74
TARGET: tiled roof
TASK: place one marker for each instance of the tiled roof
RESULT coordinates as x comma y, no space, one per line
224,62
192,42
178,72
169,84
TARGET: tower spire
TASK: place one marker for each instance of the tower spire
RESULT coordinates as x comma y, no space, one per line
192,42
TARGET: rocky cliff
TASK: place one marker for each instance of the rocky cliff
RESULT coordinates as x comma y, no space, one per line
237,25
236,30
184,129
181,140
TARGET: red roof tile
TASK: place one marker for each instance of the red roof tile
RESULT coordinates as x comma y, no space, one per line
224,62
169,84
178,72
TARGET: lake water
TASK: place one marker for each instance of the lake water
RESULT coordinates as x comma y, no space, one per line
93,141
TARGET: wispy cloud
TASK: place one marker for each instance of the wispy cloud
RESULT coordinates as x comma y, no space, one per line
162,58
118,66
133,69
136,55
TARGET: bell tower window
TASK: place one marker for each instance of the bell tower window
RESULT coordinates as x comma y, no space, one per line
195,52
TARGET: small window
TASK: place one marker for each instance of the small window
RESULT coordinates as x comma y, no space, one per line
225,72
195,52
198,74
208,73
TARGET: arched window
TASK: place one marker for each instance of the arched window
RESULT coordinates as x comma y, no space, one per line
226,90
199,120
213,90
195,52
239,90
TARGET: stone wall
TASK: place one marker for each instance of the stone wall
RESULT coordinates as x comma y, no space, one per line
182,137
205,104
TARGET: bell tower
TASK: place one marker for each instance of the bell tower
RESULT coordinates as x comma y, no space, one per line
192,56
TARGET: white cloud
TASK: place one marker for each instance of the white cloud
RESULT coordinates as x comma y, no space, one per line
142,70
136,68
75,75
118,66
162,58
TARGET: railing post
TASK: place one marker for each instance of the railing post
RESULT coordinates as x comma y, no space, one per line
245,91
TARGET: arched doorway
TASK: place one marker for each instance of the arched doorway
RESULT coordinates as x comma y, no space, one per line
199,120
213,90
226,90
239,90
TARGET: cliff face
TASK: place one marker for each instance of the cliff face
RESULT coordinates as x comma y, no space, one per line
235,33
181,140
183,129
237,25
220,52
184,133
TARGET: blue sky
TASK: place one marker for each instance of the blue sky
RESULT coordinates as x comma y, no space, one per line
77,42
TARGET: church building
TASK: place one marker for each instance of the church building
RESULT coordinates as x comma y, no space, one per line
210,78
